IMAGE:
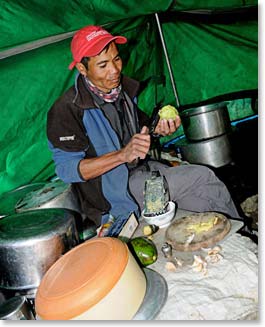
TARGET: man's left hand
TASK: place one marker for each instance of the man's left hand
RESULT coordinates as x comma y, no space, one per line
167,127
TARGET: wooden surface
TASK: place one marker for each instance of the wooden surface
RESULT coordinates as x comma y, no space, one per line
196,231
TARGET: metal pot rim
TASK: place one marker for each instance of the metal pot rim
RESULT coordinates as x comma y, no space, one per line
203,109
186,142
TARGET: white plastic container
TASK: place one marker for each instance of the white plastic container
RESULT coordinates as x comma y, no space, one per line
162,220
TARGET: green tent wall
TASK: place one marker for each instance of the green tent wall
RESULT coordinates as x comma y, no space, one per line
211,58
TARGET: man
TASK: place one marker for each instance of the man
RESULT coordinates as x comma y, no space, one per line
100,139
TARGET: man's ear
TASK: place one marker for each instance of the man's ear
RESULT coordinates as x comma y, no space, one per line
81,68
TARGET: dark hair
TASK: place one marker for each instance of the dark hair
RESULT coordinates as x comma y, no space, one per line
85,60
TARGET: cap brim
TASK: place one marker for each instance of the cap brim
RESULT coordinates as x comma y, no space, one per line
72,65
99,46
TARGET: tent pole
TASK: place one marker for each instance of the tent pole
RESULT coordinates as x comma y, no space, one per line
167,60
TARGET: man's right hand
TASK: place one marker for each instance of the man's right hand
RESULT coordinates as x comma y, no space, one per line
138,146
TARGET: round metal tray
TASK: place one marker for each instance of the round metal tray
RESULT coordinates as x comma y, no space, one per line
155,296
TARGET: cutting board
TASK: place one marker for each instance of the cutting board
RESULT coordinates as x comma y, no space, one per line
196,231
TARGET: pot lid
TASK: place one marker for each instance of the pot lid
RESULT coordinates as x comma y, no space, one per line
81,278
38,197
34,224
9,199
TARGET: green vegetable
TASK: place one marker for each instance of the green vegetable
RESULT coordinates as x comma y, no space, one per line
168,112
144,250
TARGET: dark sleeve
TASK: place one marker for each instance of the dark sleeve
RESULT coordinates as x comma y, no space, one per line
65,129
66,139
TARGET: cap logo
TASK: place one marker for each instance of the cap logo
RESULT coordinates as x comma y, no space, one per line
92,35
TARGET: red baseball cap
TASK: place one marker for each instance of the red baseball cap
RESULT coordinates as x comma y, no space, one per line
89,41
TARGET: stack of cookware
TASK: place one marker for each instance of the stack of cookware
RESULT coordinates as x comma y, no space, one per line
207,135
38,223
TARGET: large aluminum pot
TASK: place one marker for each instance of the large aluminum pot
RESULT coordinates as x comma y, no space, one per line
214,152
30,242
53,194
9,199
57,194
206,122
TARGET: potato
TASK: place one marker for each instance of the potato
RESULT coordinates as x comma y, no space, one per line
150,229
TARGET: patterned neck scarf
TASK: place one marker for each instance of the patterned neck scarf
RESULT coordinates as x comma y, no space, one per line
112,96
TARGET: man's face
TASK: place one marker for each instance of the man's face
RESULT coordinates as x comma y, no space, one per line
104,70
